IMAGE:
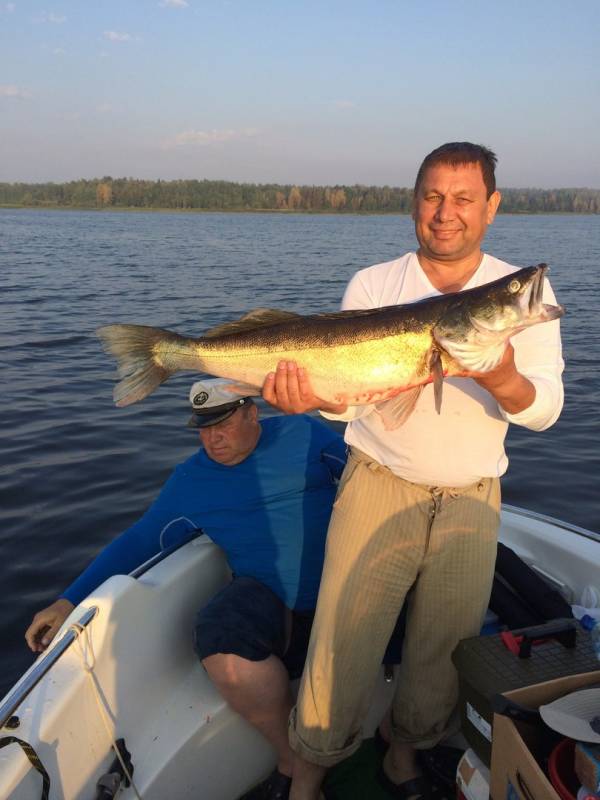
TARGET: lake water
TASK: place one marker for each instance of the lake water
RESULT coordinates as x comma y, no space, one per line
75,470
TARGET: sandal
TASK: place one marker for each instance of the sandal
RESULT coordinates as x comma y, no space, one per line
441,763
275,787
418,788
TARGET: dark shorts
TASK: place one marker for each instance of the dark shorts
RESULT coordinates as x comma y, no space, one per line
248,620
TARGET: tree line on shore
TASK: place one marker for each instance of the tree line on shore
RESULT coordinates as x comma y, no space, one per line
207,195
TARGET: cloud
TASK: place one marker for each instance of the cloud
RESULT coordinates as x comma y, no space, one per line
343,104
10,90
116,36
174,4
104,108
55,19
8,7
208,138
59,51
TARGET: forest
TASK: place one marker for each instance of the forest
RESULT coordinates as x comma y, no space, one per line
210,195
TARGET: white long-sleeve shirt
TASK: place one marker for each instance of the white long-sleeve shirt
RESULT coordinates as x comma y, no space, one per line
465,442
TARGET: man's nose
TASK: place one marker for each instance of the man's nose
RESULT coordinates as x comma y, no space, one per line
445,210
214,433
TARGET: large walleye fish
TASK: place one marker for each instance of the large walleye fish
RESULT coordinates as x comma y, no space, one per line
354,357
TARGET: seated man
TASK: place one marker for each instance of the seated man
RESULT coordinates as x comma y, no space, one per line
263,491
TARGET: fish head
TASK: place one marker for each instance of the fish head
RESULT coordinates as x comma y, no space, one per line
481,321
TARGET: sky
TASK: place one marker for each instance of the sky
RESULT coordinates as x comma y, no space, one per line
306,92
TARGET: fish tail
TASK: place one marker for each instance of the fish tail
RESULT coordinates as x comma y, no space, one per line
138,350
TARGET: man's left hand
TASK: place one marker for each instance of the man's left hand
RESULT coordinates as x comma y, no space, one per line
512,391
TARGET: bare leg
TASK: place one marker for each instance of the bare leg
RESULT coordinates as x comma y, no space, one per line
400,762
307,780
259,691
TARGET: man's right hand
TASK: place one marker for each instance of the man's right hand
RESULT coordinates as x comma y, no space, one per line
46,623
289,390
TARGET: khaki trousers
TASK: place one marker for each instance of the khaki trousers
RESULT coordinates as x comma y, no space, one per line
388,540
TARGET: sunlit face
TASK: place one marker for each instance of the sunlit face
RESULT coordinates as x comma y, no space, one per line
231,441
452,212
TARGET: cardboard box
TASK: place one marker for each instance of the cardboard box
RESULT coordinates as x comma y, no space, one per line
515,771
472,777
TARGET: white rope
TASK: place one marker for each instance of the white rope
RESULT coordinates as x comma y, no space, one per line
161,541
88,662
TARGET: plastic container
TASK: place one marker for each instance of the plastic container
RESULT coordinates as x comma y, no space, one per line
586,794
561,768
580,611
590,597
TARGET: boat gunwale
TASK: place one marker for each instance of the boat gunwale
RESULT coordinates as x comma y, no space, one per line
39,669
558,523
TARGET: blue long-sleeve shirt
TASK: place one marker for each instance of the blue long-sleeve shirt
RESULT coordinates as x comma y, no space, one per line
269,513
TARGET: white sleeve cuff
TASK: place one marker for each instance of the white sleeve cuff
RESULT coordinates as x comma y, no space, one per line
544,410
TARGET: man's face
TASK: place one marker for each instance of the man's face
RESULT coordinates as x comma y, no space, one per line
231,441
452,212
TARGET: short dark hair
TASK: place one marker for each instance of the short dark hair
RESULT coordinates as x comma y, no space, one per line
458,153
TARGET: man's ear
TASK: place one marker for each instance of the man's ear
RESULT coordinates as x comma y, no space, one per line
492,205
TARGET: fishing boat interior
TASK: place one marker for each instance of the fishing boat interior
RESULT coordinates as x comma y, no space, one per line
122,676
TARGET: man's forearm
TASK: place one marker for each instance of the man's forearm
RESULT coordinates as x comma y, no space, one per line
514,394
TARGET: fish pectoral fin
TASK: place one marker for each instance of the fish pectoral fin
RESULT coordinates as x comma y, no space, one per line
397,410
243,389
437,373
474,356
257,318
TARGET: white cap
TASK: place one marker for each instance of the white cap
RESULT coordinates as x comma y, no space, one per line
212,402
573,714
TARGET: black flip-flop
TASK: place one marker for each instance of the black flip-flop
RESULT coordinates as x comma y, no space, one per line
417,788
441,763
275,787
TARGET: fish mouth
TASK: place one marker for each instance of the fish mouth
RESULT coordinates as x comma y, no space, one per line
536,290
534,304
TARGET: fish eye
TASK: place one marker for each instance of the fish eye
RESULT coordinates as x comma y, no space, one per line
514,286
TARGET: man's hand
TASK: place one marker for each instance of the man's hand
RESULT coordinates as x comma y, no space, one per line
46,623
289,390
511,390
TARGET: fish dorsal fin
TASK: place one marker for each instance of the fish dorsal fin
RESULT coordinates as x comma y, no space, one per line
397,410
257,318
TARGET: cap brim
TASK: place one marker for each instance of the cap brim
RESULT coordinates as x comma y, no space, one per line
571,715
206,420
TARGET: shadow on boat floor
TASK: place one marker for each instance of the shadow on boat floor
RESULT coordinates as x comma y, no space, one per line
356,777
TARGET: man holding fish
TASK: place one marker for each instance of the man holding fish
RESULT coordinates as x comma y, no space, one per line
417,510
